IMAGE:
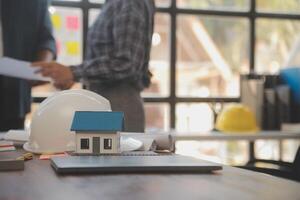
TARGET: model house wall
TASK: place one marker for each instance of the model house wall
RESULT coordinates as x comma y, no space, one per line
97,132
97,143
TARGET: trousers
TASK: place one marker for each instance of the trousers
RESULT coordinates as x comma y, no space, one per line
125,98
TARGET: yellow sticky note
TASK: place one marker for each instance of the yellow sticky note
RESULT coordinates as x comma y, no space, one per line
72,48
56,21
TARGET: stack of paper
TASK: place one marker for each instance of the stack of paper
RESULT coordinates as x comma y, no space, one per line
18,137
152,141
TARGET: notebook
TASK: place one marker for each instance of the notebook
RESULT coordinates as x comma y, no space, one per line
132,164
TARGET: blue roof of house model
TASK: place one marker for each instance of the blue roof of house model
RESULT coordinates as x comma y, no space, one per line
98,121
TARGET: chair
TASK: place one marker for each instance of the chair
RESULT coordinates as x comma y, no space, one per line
277,168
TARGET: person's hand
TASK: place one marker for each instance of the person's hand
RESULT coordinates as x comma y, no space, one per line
62,75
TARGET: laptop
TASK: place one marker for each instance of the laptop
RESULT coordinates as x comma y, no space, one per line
132,164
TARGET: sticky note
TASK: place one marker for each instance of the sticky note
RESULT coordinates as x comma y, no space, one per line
49,156
56,21
72,23
72,48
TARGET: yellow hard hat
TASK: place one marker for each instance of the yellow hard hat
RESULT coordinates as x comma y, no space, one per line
236,118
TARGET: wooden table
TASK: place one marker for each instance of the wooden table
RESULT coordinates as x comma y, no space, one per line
250,138
39,181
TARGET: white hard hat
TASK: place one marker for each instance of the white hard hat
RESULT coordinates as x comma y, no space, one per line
51,123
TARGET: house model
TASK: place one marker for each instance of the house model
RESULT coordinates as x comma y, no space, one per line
97,132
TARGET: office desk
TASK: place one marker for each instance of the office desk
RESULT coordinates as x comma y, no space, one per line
251,138
39,181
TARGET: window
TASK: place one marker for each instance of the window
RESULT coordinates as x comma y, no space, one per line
214,4
84,143
67,24
276,41
107,144
212,51
279,6
200,47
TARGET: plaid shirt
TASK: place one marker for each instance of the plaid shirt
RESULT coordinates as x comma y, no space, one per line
118,45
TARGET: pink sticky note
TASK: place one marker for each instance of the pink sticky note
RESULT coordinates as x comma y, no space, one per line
72,22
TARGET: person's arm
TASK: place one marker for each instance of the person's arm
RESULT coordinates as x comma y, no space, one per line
129,47
62,75
45,55
46,48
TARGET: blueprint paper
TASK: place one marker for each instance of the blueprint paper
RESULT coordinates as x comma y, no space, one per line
19,69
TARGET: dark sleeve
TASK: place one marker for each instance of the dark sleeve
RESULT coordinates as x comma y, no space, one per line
46,39
129,47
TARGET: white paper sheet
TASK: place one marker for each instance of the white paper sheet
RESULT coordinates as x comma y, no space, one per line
17,135
160,141
2,134
19,69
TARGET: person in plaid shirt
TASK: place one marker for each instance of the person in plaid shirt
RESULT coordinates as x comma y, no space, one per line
117,58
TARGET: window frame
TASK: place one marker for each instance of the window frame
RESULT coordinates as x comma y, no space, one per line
88,143
173,11
109,144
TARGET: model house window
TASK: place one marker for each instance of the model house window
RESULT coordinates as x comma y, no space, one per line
107,143
84,143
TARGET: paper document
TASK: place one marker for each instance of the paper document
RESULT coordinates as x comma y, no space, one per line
21,136
2,134
130,144
157,141
19,69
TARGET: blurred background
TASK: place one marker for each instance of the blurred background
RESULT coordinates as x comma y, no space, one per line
200,49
